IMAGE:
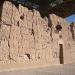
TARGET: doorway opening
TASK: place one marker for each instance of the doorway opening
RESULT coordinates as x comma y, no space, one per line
61,58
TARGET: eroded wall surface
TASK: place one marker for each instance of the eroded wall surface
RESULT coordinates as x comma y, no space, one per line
64,37
25,35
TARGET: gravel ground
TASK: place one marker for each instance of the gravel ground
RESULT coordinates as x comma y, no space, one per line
53,70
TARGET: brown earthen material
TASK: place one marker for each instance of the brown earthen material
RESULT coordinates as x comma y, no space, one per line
25,37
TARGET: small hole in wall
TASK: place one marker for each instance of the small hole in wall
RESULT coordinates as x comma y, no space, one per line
0,25
39,56
58,27
22,17
28,55
18,23
60,36
32,32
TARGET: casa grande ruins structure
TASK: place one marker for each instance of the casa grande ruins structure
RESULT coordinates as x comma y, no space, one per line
27,37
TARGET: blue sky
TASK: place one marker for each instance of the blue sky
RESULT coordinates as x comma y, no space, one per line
70,18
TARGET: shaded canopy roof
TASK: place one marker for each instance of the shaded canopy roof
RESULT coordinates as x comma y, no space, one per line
35,3
39,3
67,8
61,8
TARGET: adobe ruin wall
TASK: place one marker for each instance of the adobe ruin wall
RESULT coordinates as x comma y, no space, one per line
25,35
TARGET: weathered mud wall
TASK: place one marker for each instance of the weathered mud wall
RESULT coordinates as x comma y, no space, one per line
64,37
25,35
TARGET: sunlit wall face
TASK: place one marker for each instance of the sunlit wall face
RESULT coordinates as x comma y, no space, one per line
70,19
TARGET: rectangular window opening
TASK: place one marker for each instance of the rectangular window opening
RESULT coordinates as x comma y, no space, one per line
61,59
